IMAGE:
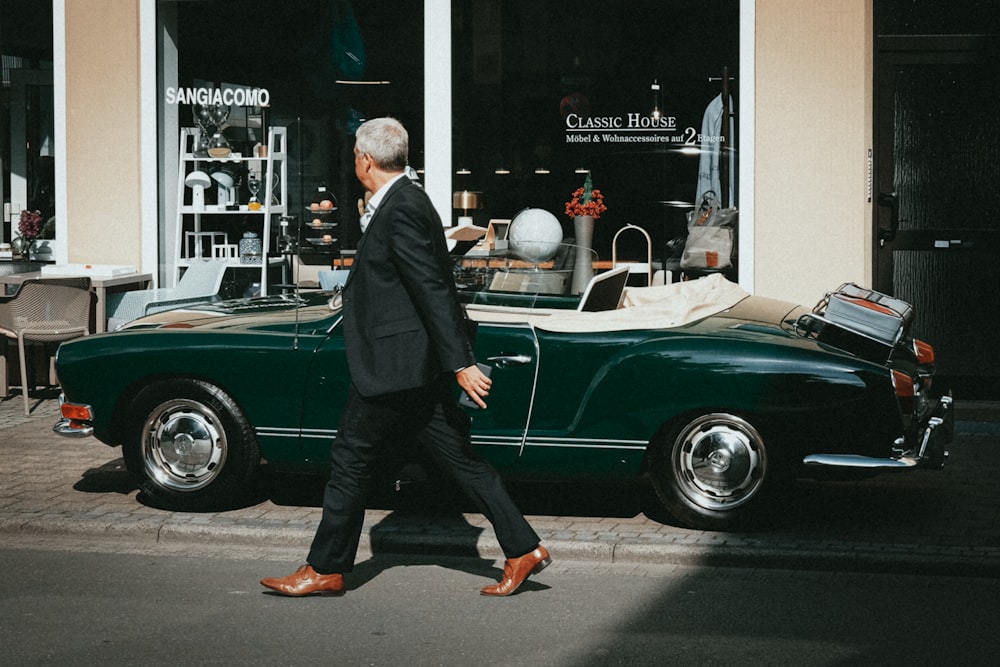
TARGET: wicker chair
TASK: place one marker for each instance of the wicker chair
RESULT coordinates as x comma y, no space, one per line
43,310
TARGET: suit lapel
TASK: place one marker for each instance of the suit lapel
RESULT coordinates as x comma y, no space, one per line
393,189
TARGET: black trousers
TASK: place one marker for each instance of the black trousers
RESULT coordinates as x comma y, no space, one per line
368,426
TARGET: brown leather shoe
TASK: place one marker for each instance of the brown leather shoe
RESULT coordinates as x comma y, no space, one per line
516,570
306,581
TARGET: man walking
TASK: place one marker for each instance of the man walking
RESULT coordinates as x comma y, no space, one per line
406,336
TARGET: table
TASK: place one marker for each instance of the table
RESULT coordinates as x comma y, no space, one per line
102,288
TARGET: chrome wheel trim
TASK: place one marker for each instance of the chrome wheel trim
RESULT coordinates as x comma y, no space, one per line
718,462
183,445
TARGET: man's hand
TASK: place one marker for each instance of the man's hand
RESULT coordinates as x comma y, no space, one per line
475,383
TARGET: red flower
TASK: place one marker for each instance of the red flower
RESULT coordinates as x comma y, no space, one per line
586,201
30,224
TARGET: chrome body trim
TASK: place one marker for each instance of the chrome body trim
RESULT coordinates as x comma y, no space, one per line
482,439
860,462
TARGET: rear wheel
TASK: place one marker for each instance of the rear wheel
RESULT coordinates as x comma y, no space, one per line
189,446
708,472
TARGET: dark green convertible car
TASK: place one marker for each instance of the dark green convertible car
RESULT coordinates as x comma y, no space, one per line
707,392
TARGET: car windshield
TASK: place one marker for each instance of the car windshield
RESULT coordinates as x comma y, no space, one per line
501,276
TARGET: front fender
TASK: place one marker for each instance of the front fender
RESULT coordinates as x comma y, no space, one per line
106,372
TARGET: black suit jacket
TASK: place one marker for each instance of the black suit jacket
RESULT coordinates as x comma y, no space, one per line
403,323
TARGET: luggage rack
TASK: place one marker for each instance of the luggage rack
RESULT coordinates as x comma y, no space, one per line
861,321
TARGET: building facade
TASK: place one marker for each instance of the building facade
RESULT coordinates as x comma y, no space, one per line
509,99
805,91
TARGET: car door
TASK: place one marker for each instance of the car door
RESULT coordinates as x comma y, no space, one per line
511,353
324,394
498,431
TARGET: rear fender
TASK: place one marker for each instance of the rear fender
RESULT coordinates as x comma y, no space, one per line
799,395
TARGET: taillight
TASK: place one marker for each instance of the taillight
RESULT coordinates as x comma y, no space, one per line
76,412
906,392
923,351
904,384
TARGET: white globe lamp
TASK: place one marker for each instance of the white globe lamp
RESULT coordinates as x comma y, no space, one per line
535,235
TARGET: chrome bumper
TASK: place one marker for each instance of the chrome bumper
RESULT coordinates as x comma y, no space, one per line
928,450
71,429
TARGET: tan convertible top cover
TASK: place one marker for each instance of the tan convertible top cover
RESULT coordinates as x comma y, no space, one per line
659,307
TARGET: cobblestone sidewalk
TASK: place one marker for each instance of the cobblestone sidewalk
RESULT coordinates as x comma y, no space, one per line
926,521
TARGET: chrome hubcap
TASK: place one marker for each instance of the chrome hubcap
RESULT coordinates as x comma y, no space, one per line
719,461
184,445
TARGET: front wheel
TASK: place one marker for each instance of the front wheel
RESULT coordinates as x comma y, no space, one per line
189,446
708,471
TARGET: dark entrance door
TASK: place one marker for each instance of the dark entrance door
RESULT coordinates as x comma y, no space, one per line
937,197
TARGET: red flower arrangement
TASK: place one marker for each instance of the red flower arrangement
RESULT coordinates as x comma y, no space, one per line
29,228
586,201
30,224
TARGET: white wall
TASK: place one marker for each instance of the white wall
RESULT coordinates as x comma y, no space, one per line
813,116
100,174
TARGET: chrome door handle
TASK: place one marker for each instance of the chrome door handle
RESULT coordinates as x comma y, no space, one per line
505,360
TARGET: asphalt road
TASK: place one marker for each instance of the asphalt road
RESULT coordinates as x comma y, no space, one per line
61,605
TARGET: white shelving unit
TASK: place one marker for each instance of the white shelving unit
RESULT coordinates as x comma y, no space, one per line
207,232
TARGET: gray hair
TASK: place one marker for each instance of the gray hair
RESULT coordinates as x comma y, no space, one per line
386,141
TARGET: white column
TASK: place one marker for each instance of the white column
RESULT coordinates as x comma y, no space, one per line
748,23
437,105
59,115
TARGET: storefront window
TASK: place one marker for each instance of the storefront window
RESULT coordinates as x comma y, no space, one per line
543,94
27,145
324,65
547,91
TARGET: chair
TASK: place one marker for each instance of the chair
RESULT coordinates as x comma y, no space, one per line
201,282
43,310
605,291
634,267
333,278
305,273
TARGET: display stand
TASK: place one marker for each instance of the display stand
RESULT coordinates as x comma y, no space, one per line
318,232
210,228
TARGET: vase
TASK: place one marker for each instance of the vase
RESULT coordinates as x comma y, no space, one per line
251,249
21,248
583,266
